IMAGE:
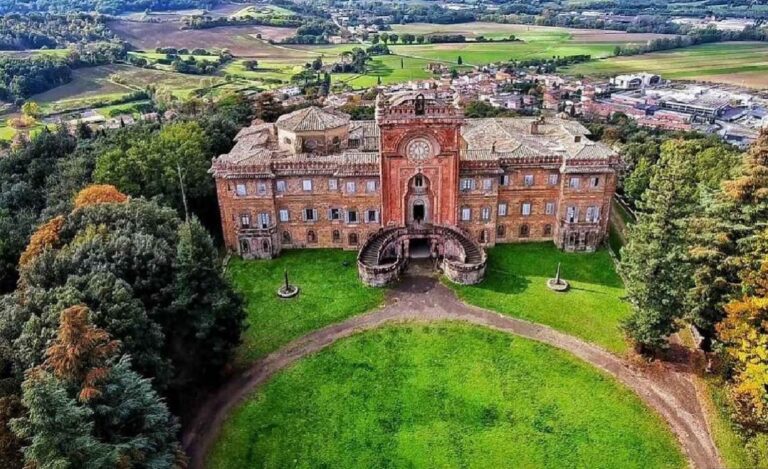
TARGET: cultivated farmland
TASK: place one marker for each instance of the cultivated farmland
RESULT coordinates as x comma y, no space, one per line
743,64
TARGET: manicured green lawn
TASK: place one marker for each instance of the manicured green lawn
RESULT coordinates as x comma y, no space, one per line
443,396
330,292
515,284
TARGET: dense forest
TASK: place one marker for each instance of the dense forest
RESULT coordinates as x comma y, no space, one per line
46,31
112,7
21,77
121,317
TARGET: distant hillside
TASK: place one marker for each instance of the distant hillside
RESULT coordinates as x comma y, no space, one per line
112,7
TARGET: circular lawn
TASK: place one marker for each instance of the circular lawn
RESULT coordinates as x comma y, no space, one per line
445,395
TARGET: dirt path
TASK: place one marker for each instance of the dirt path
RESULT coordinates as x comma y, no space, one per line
668,389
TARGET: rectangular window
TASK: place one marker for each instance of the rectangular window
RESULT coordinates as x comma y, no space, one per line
245,221
485,214
351,216
553,178
549,208
280,186
504,180
351,187
333,184
370,186
263,220
502,210
595,182
371,216
574,183
284,214
334,214
593,214
528,180
526,209
466,184
306,184
571,216
487,184
310,214
241,190
466,214
261,188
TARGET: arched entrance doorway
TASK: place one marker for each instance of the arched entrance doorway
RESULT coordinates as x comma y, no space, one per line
418,201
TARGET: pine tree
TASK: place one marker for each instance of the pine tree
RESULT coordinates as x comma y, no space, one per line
57,429
80,352
728,239
209,316
655,259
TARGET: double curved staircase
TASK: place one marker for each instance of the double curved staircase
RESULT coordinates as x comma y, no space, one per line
384,255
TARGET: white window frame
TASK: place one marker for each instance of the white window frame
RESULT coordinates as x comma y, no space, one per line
553,179
504,180
334,214
574,182
593,214
312,212
572,214
241,189
487,184
466,214
351,187
333,184
502,209
264,220
594,181
284,214
349,217
466,184
549,208
261,188
528,180
280,185
374,219
485,213
306,185
525,209
370,186
245,220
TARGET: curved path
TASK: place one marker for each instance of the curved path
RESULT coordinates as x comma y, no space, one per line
669,391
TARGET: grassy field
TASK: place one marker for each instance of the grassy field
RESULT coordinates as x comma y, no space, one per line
93,85
515,284
330,292
523,31
240,40
443,396
744,64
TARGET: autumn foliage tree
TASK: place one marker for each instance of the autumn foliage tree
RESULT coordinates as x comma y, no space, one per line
81,352
45,237
99,194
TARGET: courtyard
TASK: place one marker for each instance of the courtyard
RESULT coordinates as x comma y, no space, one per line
426,374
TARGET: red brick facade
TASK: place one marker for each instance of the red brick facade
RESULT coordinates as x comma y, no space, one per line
421,163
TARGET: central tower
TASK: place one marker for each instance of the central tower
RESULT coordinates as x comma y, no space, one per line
419,162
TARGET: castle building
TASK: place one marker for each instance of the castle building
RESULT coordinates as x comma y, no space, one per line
419,181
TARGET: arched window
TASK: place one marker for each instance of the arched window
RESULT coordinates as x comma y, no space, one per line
483,236
501,231
352,239
244,246
547,230
287,141
265,246
336,236
311,236
287,237
418,181
524,231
